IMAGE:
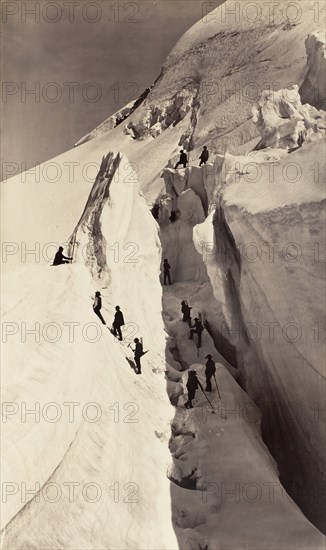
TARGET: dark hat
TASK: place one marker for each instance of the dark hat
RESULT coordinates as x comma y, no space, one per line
117,307
208,356
97,293
136,340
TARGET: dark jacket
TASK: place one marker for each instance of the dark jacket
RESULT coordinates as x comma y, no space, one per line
183,158
118,319
97,302
59,257
198,327
210,368
193,384
204,155
166,267
139,350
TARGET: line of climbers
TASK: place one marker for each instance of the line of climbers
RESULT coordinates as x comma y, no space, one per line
197,328
193,383
183,160
118,320
117,323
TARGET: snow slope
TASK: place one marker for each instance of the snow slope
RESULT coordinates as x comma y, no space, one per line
93,368
94,488
238,205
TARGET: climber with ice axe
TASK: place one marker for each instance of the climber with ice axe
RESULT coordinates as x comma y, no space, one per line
192,385
210,371
138,353
196,329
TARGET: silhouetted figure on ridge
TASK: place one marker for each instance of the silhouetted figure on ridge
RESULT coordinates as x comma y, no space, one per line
97,306
166,272
183,159
196,329
185,310
60,258
192,385
204,156
209,371
118,323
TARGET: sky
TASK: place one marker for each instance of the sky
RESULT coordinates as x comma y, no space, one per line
68,65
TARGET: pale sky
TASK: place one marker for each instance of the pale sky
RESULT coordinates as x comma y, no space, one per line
119,46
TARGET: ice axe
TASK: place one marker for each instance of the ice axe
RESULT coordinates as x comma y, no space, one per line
218,391
213,411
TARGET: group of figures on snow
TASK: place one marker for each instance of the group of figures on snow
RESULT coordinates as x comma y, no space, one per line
193,384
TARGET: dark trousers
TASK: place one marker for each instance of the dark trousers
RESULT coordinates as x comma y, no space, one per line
191,396
208,382
167,276
117,331
98,313
178,164
138,365
192,332
202,162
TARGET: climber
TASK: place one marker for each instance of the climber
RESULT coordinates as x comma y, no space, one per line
166,272
192,385
204,156
185,310
196,329
60,258
138,353
209,371
183,159
98,305
118,323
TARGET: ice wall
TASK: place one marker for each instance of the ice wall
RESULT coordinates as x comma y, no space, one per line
283,122
267,271
313,87
186,196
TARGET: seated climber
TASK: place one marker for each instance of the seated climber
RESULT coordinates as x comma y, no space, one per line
60,258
